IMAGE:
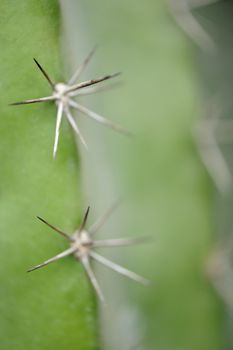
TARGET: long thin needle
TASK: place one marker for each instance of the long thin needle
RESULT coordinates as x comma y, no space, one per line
69,238
102,219
57,131
118,268
93,280
55,258
34,100
92,82
75,127
119,242
81,68
98,118
95,89
44,73
84,220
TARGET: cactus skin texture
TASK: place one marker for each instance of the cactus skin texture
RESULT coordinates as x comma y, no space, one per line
53,308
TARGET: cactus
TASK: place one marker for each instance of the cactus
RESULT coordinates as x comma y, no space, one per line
53,308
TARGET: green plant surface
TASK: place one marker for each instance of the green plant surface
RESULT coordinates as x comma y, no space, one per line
52,308
165,188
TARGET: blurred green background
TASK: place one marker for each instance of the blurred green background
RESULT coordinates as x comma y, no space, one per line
166,190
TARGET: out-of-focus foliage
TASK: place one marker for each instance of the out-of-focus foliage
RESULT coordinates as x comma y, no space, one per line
52,308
